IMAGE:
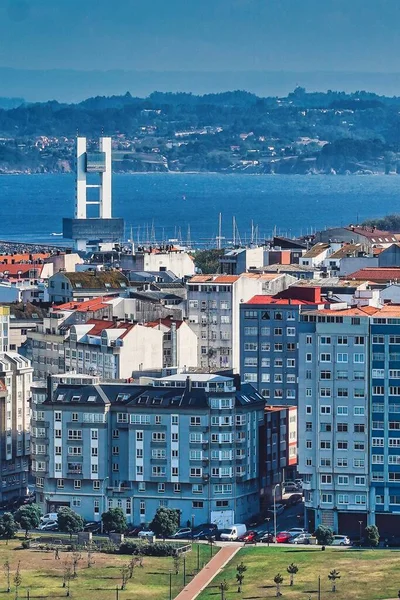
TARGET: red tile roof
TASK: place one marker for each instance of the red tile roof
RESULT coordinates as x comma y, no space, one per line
373,234
18,258
87,305
21,269
377,274
271,300
100,324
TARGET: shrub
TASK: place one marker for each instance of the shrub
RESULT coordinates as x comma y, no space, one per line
158,549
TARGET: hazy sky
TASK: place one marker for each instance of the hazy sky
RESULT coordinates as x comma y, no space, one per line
209,35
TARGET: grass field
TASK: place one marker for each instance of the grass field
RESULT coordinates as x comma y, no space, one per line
43,575
365,574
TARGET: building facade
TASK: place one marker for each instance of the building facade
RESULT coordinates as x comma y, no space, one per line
191,444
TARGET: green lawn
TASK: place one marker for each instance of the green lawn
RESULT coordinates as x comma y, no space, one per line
43,575
365,574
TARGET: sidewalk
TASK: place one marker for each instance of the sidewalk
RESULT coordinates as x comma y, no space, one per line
206,575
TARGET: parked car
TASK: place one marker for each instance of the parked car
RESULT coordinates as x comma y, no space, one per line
301,538
49,526
283,537
295,499
146,533
133,530
250,537
93,527
290,489
278,507
296,530
234,532
341,540
49,517
204,531
182,533
267,538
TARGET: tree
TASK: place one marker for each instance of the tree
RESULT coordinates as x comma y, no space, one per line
372,535
8,526
124,576
132,564
177,562
240,571
333,575
292,570
69,521
324,535
67,576
208,260
17,580
114,520
76,557
7,569
90,559
224,587
165,522
28,517
278,580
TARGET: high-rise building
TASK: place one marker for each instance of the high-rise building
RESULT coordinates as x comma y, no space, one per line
93,172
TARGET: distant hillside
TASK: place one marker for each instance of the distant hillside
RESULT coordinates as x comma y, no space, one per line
8,103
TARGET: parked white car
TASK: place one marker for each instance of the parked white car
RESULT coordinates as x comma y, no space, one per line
146,533
341,540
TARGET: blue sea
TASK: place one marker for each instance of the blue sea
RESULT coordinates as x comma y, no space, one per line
32,206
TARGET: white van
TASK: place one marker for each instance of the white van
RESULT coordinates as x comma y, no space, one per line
231,534
49,517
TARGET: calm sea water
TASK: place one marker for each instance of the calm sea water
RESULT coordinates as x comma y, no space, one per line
32,206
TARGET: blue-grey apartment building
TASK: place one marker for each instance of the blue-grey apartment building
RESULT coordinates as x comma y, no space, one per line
187,442
269,334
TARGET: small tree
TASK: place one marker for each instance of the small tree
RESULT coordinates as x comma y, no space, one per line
124,576
240,571
67,576
165,522
324,535
17,580
177,562
132,564
292,570
69,521
76,557
7,569
224,587
114,520
372,535
278,580
90,559
28,517
333,575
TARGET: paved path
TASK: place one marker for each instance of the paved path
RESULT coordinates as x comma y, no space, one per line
206,575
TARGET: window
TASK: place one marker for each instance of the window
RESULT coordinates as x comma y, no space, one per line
309,444
325,340
342,427
177,488
343,499
158,436
309,339
325,410
326,498
342,340
343,480
77,484
358,463
325,444
325,375
161,488
359,480
359,411
197,504
60,483
197,488
308,409
325,357
342,357
325,462
359,358
308,357
196,471
360,499
342,411
359,446
326,479
359,428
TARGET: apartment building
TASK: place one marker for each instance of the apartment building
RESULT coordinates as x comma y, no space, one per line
179,343
189,443
333,417
214,309
278,450
112,349
15,382
384,421
84,285
269,335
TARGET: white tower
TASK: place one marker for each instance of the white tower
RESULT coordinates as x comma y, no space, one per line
102,227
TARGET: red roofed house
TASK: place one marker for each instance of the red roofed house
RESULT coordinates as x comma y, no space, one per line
112,349
381,275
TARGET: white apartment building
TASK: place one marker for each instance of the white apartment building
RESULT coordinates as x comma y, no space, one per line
213,309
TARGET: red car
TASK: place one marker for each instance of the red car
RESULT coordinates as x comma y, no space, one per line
250,537
283,537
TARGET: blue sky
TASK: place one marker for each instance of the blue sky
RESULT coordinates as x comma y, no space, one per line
201,35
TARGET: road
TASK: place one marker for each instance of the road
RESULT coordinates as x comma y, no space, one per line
289,518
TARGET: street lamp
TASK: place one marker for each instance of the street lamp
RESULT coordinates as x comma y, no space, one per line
268,520
277,485
170,584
